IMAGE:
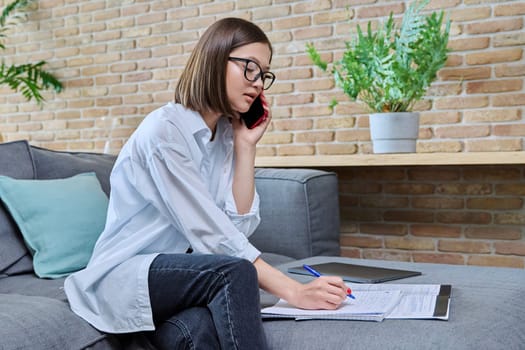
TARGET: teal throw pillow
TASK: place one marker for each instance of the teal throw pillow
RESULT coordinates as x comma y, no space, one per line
60,219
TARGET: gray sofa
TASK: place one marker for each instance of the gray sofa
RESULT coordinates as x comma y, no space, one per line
300,219
300,223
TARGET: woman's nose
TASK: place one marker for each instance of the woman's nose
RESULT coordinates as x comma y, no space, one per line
259,83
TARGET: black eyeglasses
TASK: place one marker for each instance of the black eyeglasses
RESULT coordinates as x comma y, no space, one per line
252,72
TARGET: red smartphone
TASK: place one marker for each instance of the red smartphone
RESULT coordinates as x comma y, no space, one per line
256,114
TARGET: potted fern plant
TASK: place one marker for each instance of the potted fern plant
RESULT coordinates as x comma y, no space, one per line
389,70
28,78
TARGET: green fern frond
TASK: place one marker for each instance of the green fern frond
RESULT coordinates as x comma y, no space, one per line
389,69
17,5
30,79
412,22
9,16
315,57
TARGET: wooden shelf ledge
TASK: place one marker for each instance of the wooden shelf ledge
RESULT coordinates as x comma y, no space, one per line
398,159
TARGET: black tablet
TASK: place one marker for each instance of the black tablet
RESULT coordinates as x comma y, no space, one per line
356,273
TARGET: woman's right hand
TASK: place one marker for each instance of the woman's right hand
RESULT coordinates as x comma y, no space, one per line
325,292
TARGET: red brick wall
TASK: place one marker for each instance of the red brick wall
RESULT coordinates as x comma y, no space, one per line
121,59
450,214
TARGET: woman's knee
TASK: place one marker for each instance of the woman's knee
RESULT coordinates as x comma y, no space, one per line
243,272
236,275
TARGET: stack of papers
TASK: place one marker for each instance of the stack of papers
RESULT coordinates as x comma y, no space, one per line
367,306
375,302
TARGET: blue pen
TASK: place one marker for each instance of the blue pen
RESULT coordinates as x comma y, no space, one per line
317,274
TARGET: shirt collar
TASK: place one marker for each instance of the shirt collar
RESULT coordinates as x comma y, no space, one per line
202,133
195,123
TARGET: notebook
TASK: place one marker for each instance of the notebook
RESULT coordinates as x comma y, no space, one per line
356,273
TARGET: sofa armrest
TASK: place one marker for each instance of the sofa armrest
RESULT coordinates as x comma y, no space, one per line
299,212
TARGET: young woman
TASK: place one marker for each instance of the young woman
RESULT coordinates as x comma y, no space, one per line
174,256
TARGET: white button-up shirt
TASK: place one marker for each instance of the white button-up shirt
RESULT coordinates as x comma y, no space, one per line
171,188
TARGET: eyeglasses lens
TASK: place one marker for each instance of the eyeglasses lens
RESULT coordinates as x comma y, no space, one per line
252,72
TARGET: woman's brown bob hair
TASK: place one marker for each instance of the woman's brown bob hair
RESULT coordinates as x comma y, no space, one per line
202,85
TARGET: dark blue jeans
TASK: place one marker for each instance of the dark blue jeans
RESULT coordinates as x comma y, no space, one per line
205,302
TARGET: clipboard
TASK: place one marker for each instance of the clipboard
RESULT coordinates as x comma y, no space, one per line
356,273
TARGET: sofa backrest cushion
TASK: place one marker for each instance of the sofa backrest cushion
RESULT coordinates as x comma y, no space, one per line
51,164
16,162
299,212
60,219
20,160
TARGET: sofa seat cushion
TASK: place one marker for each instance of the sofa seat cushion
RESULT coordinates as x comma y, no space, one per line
486,312
30,322
60,219
29,284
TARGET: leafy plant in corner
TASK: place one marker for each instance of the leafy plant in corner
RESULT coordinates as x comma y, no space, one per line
390,69
30,78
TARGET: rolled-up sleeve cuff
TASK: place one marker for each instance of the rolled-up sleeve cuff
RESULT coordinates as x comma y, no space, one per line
251,253
243,249
246,223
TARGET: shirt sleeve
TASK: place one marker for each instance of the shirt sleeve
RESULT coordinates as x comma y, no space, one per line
246,223
183,197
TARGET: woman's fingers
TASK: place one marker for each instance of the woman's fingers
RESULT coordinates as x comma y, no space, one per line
337,290
330,290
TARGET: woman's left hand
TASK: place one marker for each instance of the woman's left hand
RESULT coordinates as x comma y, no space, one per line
245,144
245,136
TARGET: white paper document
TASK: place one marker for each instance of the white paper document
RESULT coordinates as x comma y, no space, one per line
375,302
367,305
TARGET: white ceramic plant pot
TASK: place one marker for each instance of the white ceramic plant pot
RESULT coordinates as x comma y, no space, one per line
394,132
